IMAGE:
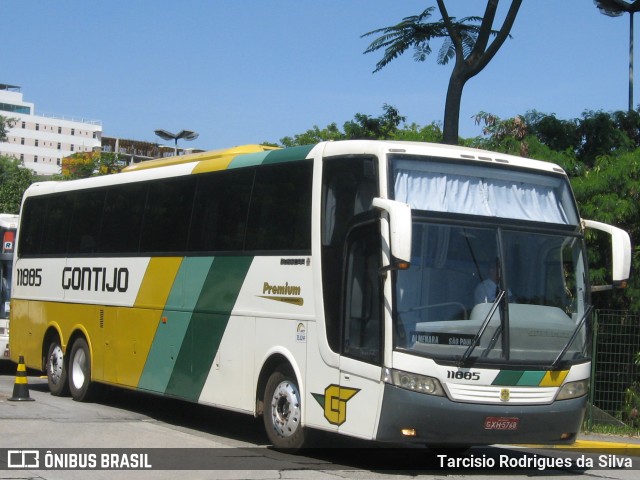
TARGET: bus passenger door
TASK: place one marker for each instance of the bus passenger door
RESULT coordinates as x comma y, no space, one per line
356,402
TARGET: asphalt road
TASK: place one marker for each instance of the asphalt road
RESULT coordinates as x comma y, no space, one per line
133,435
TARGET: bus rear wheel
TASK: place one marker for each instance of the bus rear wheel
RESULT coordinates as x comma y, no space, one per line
80,371
283,411
56,370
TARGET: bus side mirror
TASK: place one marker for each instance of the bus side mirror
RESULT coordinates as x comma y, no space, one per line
400,231
620,253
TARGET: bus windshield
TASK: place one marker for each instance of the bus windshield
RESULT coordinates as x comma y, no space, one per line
492,291
458,272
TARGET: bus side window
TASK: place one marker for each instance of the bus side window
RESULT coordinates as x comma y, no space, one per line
362,313
121,218
220,211
33,213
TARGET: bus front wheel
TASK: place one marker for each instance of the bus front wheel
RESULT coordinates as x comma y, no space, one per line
283,411
80,371
57,370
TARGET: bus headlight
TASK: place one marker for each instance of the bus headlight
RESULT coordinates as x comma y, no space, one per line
573,390
413,381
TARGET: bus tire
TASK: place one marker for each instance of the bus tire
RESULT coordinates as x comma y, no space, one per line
283,411
80,371
56,366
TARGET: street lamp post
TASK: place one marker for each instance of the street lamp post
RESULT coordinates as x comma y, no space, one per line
615,8
185,134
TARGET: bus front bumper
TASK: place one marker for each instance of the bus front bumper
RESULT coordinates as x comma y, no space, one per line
419,418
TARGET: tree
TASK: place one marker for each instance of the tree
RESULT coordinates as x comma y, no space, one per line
384,127
14,180
467,40
5,125
87,164
499,131
364,127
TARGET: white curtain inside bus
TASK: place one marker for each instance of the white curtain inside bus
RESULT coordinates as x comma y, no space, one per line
521,196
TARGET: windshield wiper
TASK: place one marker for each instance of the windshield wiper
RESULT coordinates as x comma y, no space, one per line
579,326
483,327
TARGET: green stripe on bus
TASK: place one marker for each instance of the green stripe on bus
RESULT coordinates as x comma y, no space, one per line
248,160
174,323
507,377
208,323
288,154
531,379
271,156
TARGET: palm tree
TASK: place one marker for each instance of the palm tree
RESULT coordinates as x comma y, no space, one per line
466,41
615,8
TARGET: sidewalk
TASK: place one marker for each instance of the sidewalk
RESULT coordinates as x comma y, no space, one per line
629,446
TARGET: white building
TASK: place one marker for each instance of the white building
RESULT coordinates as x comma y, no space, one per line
41,142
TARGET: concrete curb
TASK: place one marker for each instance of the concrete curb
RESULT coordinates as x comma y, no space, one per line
596,446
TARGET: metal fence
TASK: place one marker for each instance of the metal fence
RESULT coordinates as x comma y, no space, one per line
615,387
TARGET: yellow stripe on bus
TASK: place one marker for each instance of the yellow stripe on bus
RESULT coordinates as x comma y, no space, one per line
157,282
143,319
554,379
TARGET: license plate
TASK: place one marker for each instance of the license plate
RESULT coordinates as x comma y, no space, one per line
501,423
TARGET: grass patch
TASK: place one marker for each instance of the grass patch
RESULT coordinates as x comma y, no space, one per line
607,429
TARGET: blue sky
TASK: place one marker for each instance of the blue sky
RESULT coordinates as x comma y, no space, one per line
247,71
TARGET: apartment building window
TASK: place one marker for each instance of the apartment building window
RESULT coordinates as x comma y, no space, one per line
22,141
22,157
35,142
35,158
72,148
59,129
24,124
73,131
37,126
59,146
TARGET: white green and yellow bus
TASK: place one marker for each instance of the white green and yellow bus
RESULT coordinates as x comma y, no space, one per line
8,226
329,287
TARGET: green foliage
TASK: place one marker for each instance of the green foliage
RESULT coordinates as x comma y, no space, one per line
601,135
5,124
382,127
558,135
87,164
417,32
366,127
14,180
415,133
630,413
313,135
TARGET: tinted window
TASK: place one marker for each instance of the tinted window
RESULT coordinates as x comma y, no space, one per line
122,218
167,215
56,225
220,211
263,208
31,225
280,213
84,231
